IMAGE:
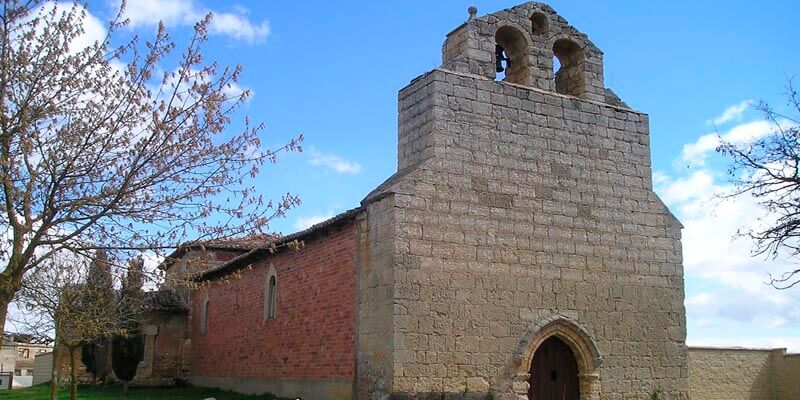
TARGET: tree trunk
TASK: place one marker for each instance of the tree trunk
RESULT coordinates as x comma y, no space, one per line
125,388
54,373
102,360
10,280
6,295
73,375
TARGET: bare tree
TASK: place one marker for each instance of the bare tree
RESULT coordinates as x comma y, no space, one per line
57,302
768,169
97,152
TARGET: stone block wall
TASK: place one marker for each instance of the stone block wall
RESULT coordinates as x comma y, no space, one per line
164,351
166,336
520,206
532,35
308,349
787,376
376,306
63,365
744,374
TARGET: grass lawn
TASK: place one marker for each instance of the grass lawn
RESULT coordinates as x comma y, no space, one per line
115,392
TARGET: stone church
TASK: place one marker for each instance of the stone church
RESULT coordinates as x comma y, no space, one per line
519,251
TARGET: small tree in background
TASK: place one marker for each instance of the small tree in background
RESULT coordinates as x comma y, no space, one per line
99,301
768,169
54,300
127,352
128,346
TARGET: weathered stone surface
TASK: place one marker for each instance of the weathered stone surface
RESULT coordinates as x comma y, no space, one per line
516,213
739,374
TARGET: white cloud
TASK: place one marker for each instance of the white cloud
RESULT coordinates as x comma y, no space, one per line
152,260
231,91
94,29
170,12
306,222
685,188
725,307
699,300
728,301
238,26
697,152
731,113
188,12
333,162
712,246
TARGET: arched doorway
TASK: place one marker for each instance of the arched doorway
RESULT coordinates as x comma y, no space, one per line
554,337
554,372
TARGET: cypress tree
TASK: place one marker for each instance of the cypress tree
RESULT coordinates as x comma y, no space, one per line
128,345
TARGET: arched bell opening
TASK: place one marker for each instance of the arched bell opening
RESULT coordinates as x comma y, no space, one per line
569,64
511,56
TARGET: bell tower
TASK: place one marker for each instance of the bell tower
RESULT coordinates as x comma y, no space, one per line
519,249
532,36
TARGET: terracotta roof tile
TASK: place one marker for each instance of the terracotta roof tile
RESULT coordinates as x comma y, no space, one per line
164,300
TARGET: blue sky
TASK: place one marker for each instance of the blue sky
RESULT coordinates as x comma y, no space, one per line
331,70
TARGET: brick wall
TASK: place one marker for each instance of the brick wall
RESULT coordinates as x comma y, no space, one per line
743,374
312,336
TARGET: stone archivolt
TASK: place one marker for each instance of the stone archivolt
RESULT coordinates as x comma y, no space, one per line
575,336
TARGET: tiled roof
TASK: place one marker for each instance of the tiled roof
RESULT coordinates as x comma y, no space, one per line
240,244
249,242
265,249
164,300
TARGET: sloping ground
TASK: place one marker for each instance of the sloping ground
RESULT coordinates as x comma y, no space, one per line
42,392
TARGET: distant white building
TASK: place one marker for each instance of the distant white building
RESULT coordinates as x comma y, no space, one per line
8,362
8,356
17,357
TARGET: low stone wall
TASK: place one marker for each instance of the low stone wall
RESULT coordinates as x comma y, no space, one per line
788,374
746,374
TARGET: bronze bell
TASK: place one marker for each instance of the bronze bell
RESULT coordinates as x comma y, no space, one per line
499,56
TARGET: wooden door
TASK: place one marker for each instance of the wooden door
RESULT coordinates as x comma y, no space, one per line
554,372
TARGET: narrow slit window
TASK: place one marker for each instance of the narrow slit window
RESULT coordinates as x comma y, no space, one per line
270,294
204,318
271,299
